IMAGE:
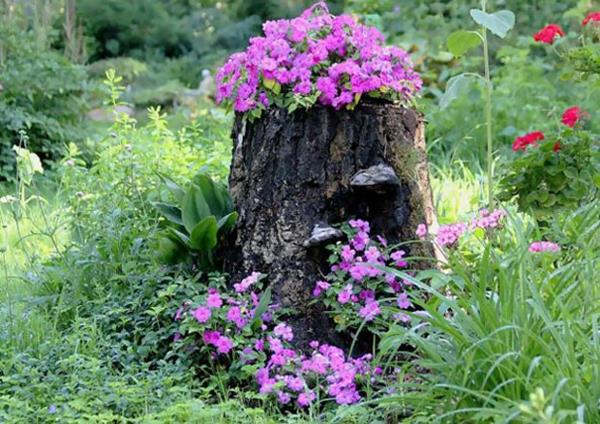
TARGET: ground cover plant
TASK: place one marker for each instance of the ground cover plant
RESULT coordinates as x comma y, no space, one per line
114,307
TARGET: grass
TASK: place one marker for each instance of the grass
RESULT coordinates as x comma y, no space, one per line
29,235
516,326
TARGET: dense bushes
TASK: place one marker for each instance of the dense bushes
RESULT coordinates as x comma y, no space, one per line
42,95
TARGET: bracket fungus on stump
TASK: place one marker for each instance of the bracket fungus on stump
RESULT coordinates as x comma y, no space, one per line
294,175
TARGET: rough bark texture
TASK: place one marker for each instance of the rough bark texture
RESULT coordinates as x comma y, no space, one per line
291,172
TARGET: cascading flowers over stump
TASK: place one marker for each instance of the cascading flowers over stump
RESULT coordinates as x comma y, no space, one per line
317,57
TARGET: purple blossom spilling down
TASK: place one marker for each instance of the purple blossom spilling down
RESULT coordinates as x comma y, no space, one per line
289,375
332,58
543,246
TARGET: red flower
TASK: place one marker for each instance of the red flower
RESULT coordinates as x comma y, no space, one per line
571,116
592,17
548,34
523,141
556,147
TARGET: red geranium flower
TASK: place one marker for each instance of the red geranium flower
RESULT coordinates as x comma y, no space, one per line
572,116
523,141
592,17
548,34
556,147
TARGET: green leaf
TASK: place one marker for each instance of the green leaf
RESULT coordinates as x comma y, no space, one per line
181,237
213,193
227,223
170,250
195,208
171,212
460,42
173,187
262,307
499,23
204,235
454,87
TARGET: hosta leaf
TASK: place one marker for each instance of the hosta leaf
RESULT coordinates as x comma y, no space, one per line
181,237
499,23
195,208
227,223
460,42
173,187
171,212
215,196
204,235
170,250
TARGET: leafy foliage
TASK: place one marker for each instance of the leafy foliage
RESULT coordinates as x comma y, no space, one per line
41,93
546,181
204,214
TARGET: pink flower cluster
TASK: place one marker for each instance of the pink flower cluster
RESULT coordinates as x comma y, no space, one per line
291,376
222,316
316,54
543,246
357,276
449,235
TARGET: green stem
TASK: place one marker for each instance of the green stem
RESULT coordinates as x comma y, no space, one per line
488,116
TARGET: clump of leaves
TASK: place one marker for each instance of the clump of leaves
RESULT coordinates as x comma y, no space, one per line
202,215
554,176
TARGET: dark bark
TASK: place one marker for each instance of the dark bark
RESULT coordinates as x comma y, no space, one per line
292,172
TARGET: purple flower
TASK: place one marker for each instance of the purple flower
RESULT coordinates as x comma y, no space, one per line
259,345
214,300
421,231
347,253
345,294
283,398
370,311
202,314
235,315
403,301
360,240
359,271
543,246
284,332
397,257
295,384
275,344
320,287
224,344
305,399
211,337
372,254
243,285
448,235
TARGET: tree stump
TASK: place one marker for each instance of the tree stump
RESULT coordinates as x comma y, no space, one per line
294,175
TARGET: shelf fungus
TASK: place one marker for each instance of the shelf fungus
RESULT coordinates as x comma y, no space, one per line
323,234
375,178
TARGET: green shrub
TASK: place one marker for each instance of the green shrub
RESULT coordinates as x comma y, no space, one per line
41,93
556,176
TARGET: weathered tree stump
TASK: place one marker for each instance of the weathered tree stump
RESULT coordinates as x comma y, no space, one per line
293,175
